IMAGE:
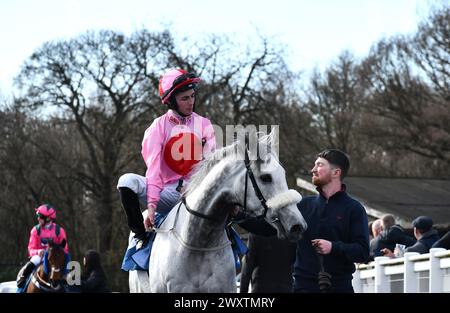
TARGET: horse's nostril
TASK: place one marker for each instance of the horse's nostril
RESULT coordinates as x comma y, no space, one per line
296,229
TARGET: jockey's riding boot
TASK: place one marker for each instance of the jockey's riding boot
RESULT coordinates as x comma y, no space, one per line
24,272
130,204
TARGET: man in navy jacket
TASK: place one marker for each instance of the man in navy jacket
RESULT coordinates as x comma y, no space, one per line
337,234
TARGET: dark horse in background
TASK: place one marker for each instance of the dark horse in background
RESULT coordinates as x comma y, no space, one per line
49,277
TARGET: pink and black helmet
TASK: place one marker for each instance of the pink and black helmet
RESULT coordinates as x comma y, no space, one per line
46,210
173,80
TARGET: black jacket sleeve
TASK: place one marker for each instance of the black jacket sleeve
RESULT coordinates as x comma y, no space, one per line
94,283
358,249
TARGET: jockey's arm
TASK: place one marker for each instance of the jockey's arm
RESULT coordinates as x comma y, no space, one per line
62,236
34,243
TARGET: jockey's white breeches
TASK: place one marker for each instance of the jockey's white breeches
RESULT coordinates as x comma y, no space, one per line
36,260
168,197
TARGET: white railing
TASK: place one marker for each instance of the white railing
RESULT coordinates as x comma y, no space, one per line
412,273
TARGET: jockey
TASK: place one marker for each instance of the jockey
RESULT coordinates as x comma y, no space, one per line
171,146
41,235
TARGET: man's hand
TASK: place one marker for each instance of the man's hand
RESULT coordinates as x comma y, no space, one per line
322,246
149,221
387,252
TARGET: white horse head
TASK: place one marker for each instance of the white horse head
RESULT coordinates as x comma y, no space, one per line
276,203
191,252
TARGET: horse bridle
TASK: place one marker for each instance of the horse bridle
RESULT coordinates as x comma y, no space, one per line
249,173
254,184
40,283
196,213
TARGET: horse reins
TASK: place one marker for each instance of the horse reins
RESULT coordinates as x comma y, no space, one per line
40,283
180,239
183,200
254,183
324,277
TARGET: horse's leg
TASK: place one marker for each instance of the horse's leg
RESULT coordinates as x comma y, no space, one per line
138,281
133,283
144,283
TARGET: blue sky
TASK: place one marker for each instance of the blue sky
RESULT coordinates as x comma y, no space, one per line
314,31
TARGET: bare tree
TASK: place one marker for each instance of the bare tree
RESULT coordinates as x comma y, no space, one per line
334,100
408,82
429,48
31,176
99,82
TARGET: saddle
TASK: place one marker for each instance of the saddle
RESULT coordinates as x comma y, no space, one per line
139,259
142,256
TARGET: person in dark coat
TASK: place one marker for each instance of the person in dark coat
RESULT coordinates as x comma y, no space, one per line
337,234
391,235
94,278
425,234
268,265
444,242
374,242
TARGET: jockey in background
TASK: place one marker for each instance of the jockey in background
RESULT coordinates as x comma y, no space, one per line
41,235
171,146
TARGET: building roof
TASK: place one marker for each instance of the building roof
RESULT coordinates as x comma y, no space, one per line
405,198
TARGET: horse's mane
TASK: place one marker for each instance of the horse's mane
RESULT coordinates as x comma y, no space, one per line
202,168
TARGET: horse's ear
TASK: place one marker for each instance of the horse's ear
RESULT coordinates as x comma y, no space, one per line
268,144
274,138
63,243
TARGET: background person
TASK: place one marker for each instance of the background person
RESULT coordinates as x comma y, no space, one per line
41,235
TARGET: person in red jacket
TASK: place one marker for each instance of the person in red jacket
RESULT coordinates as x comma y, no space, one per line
41,235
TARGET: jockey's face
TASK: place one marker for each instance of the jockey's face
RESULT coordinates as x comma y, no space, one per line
41,220
185,101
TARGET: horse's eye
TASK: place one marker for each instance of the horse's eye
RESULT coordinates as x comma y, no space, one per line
266,178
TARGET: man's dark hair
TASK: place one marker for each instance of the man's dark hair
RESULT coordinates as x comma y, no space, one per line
93,262
423,223
337,158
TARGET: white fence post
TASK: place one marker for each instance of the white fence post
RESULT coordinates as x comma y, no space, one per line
381,280
436,275
410,281
356,281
